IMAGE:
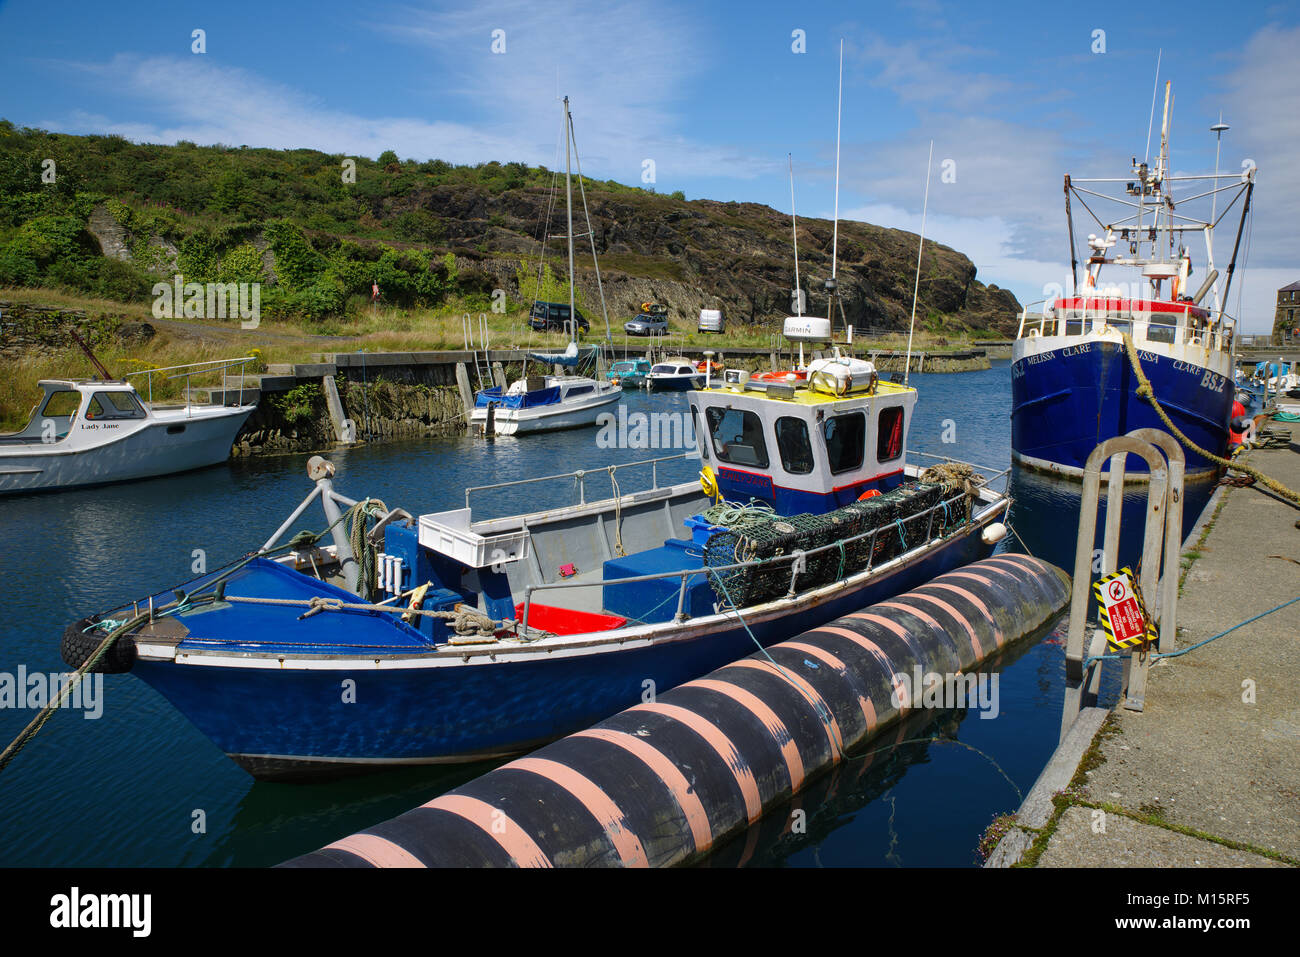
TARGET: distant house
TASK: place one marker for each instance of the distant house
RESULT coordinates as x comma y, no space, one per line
1286,320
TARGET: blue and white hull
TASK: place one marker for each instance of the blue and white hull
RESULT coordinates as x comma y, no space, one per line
281,713
1071,393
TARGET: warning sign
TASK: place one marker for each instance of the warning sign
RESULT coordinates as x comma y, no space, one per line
1122,614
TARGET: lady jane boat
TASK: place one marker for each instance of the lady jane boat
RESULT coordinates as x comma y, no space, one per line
97,431
1074,383
446,638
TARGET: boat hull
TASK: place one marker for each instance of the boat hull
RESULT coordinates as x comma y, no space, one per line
280,718
545,418
156,449
683,383
1072,393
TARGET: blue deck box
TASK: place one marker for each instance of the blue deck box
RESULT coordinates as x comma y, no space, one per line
656,601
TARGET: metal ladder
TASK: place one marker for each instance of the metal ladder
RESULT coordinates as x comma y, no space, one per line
482,364
1161,550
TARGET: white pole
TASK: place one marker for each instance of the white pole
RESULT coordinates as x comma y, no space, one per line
568,193
835,233
794,228
920,246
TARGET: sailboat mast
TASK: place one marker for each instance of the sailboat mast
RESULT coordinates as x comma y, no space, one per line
568,199
920,247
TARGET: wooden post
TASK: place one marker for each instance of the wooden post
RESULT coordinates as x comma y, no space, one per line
462,382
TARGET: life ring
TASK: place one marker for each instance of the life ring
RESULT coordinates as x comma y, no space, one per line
869,493
709,482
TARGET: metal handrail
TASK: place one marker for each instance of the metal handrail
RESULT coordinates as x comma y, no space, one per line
798,557
194,369
1220,330
580,475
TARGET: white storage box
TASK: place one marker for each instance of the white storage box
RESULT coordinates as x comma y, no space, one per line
448,533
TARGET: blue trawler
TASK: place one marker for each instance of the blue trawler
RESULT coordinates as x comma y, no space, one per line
391,639
1073,381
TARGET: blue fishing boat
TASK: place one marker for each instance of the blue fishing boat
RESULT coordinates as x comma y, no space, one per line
393,639
1074,384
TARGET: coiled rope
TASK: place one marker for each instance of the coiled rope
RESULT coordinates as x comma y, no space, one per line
1144,390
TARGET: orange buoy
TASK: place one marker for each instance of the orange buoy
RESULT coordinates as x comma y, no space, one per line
869,493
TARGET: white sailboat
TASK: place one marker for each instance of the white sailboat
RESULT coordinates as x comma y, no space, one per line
550,402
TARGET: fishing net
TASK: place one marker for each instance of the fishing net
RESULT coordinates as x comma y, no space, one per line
901,519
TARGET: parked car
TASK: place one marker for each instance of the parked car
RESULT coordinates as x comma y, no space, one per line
712,320
647,324
552,316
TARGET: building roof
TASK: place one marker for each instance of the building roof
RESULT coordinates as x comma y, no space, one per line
1294,287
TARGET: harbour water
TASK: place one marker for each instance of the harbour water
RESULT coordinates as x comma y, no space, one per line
139,786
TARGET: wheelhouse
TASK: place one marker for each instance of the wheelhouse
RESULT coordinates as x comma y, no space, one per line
801,448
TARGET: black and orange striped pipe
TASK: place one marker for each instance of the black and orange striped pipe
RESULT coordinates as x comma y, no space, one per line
662,783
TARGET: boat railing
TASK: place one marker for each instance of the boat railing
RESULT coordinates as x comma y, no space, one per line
797,558
579,476
1142,325
988,473
189,370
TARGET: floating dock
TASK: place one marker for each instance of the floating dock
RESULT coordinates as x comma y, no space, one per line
666,781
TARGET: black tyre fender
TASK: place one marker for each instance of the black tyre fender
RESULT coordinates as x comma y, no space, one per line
78,645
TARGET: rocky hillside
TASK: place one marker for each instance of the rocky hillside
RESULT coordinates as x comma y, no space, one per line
701,253
119,216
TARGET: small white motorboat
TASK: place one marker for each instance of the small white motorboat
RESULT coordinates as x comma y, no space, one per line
542,403
674,374
96,431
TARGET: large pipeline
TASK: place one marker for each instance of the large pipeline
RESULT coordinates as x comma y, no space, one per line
663,782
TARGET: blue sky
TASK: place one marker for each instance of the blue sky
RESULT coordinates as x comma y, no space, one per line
1013,94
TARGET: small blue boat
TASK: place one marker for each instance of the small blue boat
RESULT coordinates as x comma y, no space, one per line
629,373
440,639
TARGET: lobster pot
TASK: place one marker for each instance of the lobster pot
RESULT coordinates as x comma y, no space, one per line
898,517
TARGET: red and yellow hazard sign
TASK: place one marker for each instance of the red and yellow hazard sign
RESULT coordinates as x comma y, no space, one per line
1122,613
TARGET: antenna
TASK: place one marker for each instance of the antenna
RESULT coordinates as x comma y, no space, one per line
839,105
919,247
794,228
1146,157
832,284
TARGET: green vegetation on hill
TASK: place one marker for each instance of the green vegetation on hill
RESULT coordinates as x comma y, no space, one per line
104,217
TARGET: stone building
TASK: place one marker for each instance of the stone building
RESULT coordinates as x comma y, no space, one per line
1286,319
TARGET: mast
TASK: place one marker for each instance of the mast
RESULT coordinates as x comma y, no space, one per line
920,246
794,228
832,285
568,199
591,234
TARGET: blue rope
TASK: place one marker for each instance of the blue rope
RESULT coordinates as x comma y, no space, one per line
1200,644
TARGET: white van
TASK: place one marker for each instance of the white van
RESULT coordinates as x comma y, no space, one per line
712,320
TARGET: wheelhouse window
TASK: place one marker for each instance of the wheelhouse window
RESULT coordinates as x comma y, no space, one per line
737,436
114,405
889,436
61,403
793,443
846,440
695,431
